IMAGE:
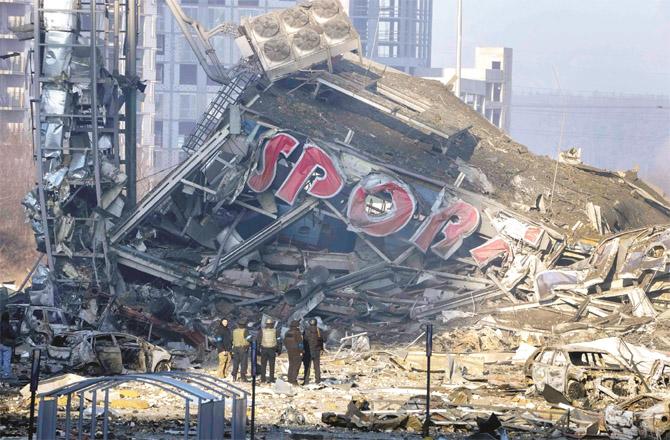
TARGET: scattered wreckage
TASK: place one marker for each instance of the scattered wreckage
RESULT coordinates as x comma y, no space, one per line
643,416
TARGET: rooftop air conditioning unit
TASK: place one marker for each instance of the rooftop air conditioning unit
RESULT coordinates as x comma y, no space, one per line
296,38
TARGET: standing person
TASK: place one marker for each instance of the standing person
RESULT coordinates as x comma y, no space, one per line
224,346
270,347
7,342
306,359
294,347
314,341
240,351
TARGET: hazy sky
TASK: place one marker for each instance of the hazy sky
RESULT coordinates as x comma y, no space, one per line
604,45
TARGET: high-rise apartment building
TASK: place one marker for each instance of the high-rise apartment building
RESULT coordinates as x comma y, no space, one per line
487,86
17,174
397,33
146,108
13,82
182,89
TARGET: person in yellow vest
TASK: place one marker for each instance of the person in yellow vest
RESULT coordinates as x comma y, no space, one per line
270,348
240,351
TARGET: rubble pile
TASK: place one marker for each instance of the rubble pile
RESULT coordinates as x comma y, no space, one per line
336,187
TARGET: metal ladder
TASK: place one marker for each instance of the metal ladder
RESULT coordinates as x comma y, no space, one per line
228,95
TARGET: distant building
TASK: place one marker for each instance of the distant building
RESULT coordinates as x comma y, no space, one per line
487,87
397,33
13,81
182,90
146,70
614,131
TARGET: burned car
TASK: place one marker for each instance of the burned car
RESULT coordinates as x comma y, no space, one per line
95,353
39,324
579,373
646,416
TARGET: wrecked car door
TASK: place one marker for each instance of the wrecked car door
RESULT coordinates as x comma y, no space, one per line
133,353
60,348
37,327
108,353
556,372
540,369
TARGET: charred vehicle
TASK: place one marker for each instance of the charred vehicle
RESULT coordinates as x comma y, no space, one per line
39,324
580,373
646,416
95,353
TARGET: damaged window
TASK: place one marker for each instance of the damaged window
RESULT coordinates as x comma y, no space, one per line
55,317
16,313
545,357
104,341
65,341
593,360
38,315
560,360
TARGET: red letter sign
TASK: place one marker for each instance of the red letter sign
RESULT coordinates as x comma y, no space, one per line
261,179
388,222
489,251
323,187
461,219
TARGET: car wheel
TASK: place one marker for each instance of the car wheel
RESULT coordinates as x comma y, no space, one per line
575,390
162,366
92,370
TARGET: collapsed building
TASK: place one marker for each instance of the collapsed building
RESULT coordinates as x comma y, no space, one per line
320,183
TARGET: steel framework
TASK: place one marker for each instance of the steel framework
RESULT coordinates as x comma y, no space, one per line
77,122
210,394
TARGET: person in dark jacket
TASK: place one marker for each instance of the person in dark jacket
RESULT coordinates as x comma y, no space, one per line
240,351
294,347
313,343
306,359
224,346
7,342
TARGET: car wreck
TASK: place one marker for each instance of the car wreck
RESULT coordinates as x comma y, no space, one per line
38,325
96,353
581,373
645,416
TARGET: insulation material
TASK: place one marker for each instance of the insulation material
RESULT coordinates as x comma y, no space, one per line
52,138
55,100
55,19
57,54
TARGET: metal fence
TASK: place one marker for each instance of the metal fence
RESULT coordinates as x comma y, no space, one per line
211,395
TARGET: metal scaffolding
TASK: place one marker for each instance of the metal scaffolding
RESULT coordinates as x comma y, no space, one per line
78,117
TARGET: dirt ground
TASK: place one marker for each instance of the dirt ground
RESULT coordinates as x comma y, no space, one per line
295,412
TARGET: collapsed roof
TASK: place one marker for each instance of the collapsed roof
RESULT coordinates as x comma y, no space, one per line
346,187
